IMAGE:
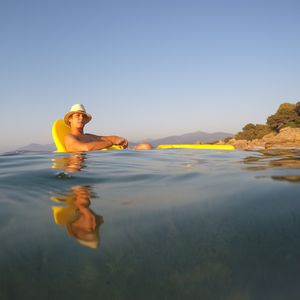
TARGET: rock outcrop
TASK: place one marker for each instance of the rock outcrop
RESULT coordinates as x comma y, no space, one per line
287,138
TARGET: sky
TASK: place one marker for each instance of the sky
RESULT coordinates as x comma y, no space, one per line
145,69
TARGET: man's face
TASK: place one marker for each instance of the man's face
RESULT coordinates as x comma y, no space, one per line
77,120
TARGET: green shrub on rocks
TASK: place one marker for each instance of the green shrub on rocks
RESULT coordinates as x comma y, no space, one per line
287,115
297,108
251,132
286,107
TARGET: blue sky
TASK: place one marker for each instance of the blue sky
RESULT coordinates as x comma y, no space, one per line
145,68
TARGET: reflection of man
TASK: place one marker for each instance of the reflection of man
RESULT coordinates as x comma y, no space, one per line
72,163
77,140
81,222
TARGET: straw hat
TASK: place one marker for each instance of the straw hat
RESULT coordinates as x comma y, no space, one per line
75,109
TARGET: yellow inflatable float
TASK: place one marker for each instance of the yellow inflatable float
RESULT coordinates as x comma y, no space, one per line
60,130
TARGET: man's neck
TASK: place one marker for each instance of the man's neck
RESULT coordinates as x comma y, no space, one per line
77,131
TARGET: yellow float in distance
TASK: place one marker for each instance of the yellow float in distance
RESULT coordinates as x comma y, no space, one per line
196,146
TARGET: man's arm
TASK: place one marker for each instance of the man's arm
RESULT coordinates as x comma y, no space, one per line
72,144
116,140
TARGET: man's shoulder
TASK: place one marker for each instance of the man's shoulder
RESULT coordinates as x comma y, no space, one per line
70,137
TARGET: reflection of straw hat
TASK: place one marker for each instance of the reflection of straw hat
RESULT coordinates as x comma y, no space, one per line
75,109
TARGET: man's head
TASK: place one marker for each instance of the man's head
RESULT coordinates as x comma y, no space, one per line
77,116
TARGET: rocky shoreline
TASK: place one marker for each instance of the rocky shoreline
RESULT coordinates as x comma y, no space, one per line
287,138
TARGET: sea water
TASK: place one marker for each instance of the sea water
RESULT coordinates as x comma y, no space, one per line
160,224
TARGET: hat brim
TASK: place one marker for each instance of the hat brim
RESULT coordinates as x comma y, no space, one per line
70,113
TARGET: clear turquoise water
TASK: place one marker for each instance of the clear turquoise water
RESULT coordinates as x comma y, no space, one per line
170,224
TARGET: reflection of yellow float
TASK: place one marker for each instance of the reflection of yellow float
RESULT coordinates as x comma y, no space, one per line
64,214
80,221
72,163
60,130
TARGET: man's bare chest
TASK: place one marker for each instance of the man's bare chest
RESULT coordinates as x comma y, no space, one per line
86,138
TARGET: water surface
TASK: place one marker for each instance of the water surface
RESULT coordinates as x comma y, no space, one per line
169,224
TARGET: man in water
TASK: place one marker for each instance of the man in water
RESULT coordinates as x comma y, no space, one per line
77,140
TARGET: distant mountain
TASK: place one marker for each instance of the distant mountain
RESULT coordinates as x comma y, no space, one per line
38,147
190,138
